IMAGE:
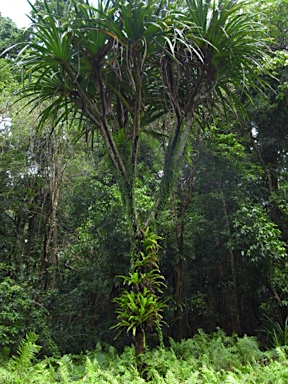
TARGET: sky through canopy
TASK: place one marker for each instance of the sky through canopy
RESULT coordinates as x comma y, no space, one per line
17,11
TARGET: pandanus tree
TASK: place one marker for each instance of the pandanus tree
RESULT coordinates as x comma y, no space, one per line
123,66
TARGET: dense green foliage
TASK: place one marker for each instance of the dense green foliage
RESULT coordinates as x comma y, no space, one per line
9,34
150,174
204,359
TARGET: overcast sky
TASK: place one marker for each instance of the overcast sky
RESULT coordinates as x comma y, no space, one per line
16,10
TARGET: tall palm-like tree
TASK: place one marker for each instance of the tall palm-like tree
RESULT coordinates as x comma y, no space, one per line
121,66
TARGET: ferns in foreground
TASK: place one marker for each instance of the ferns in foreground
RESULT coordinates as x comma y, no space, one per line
206,359
24,367
277,335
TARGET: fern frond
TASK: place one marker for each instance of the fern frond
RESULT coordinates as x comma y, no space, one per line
26,352
65,364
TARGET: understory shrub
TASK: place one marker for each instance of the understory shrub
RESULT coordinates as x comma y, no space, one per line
19,315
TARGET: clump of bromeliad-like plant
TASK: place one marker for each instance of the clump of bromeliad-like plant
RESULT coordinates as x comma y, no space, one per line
139,303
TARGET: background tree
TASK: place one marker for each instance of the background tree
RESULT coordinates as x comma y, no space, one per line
11,37
9,33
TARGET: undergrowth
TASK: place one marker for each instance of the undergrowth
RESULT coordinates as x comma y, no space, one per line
214,358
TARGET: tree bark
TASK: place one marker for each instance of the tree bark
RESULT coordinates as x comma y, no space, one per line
139,340
236,320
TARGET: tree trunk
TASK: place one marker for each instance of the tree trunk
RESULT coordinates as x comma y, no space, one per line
236,319
139,340
182,326
50,246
